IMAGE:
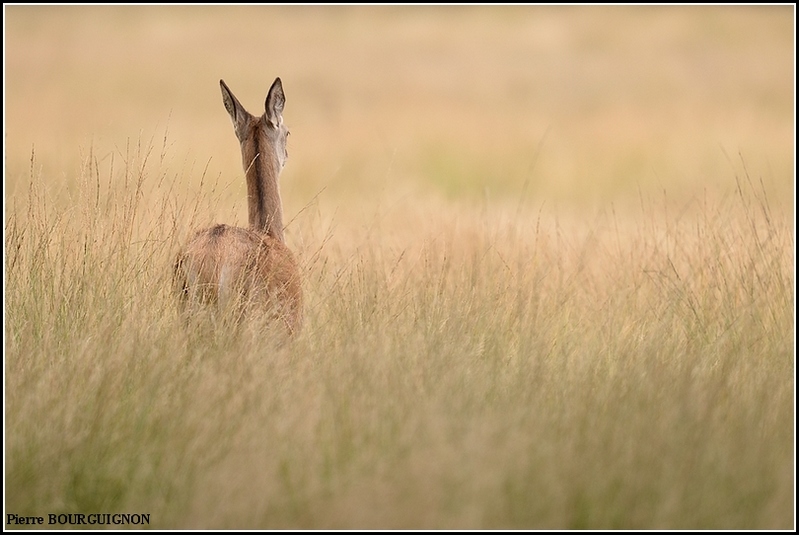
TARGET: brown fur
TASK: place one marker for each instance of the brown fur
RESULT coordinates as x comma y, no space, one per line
237,269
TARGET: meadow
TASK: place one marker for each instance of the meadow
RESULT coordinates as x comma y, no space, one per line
548,257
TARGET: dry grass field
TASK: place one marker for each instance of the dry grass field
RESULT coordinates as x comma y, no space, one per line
548,257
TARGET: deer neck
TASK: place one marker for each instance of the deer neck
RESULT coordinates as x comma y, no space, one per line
263,194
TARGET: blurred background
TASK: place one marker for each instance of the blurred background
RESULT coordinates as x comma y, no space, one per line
508,103
513,319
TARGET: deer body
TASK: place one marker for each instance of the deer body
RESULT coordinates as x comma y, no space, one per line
244,268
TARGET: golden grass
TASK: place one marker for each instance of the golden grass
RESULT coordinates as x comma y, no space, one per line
548,259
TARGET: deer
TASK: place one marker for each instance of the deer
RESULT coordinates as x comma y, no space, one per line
241,269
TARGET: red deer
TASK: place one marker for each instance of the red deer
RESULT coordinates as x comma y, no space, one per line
241,269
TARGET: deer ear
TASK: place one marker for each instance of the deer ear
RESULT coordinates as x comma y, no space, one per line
234,108
275,101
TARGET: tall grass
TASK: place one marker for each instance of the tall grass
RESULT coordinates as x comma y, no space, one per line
546,298
493,367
